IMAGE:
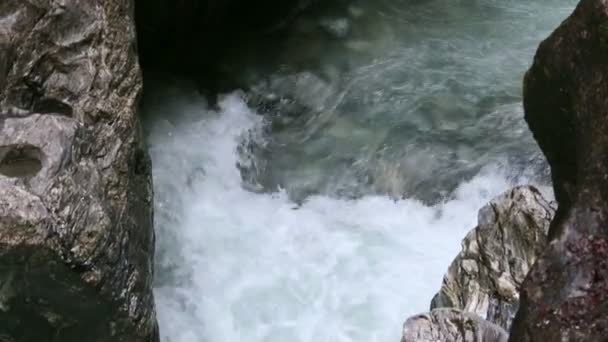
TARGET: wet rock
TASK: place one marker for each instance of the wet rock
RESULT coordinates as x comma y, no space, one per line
486,276
287,97
76,235
565,296
451,325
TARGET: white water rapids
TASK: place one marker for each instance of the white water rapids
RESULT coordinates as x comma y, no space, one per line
235,265
255,267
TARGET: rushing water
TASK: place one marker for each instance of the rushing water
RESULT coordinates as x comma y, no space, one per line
333,216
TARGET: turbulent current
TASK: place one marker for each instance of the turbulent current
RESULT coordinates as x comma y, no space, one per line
325,201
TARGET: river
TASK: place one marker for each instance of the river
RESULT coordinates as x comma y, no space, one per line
325,203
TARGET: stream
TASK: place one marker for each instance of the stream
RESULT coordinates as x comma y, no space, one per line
325,201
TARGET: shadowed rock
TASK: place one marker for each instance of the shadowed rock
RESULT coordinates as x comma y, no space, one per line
451,325
486,276
187,36
76,237
565,296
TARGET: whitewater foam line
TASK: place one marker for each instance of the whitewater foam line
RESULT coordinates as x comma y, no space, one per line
240,266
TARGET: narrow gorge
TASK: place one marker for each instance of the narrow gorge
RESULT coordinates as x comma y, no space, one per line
273,171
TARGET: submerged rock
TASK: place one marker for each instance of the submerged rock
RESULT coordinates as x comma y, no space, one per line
451,325
486,276
565,296
76,235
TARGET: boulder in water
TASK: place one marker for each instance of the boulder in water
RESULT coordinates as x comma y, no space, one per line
486,276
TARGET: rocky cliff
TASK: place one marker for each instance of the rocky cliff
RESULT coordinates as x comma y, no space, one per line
565,296
76,235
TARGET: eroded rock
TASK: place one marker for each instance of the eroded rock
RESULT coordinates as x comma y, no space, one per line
565,296
451,325
76,235
487,274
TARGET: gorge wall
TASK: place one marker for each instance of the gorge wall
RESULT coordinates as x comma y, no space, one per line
564,297
76,234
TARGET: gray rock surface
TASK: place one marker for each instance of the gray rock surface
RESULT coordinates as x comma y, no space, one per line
76,235
486,276
451,325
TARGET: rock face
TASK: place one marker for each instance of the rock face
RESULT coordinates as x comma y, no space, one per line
479,295
451,325
486,276
76,236
565,296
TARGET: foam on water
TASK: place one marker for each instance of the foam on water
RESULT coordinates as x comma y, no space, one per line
241,266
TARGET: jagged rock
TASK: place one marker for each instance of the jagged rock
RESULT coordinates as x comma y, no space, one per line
451,325
565,296
486,276
76,235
